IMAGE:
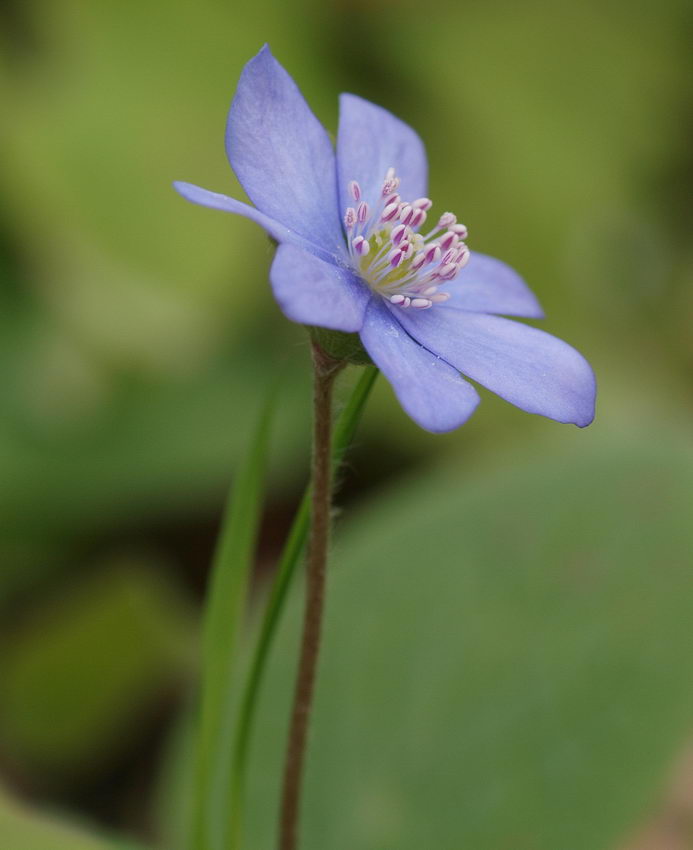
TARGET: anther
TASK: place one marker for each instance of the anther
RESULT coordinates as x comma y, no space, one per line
405,213
390,212
362,212
447,219
395,257
396,299
418,218
448,240
355,190
433,252
398,233
350,218
447,272
459,230
361,246
421,303
422,204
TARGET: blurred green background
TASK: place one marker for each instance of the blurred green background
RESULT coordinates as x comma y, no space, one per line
509,654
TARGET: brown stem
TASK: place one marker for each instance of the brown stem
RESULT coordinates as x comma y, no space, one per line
325,371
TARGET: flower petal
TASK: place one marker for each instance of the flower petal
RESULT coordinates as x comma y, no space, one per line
487,285
313,292
429,389
528,367
371,140
281,153
222,202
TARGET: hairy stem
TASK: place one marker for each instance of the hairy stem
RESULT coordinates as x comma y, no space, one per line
325,371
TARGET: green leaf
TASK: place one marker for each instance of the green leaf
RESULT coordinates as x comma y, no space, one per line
82,665
223,620
506,661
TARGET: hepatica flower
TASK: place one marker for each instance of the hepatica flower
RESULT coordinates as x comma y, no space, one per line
361,251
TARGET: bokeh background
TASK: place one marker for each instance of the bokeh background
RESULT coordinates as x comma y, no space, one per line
509,654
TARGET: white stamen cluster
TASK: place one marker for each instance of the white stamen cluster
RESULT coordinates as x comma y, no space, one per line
390,254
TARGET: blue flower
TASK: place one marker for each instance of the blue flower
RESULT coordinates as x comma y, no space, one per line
353,256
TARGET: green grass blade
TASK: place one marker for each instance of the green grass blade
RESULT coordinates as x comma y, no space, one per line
223,618
344,430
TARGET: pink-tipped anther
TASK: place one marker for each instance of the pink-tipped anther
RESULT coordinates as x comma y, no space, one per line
395,257
390,212
398,233
361,246
447,240
406,213
355,190
417,219
447,219
362,212
433,252
350,218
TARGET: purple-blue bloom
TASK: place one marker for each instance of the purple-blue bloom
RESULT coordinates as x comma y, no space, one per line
360,253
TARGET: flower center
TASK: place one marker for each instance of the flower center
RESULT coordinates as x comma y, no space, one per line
390,254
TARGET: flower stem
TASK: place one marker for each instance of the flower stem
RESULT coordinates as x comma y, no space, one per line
343,433
325,370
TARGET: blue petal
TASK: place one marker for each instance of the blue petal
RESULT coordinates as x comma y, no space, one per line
313,292
371,140
282,155
529,368
431,391
487,285
276,230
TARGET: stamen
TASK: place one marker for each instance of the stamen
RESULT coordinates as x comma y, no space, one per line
418,218
394,258
361,246
433,253
390,212
405,266
447,219
406,212
448,240
398,234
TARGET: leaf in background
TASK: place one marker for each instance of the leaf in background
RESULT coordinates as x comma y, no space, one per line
507,660
81,670
22,828
223,619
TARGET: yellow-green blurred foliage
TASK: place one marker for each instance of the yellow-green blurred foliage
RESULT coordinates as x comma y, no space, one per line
532,679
